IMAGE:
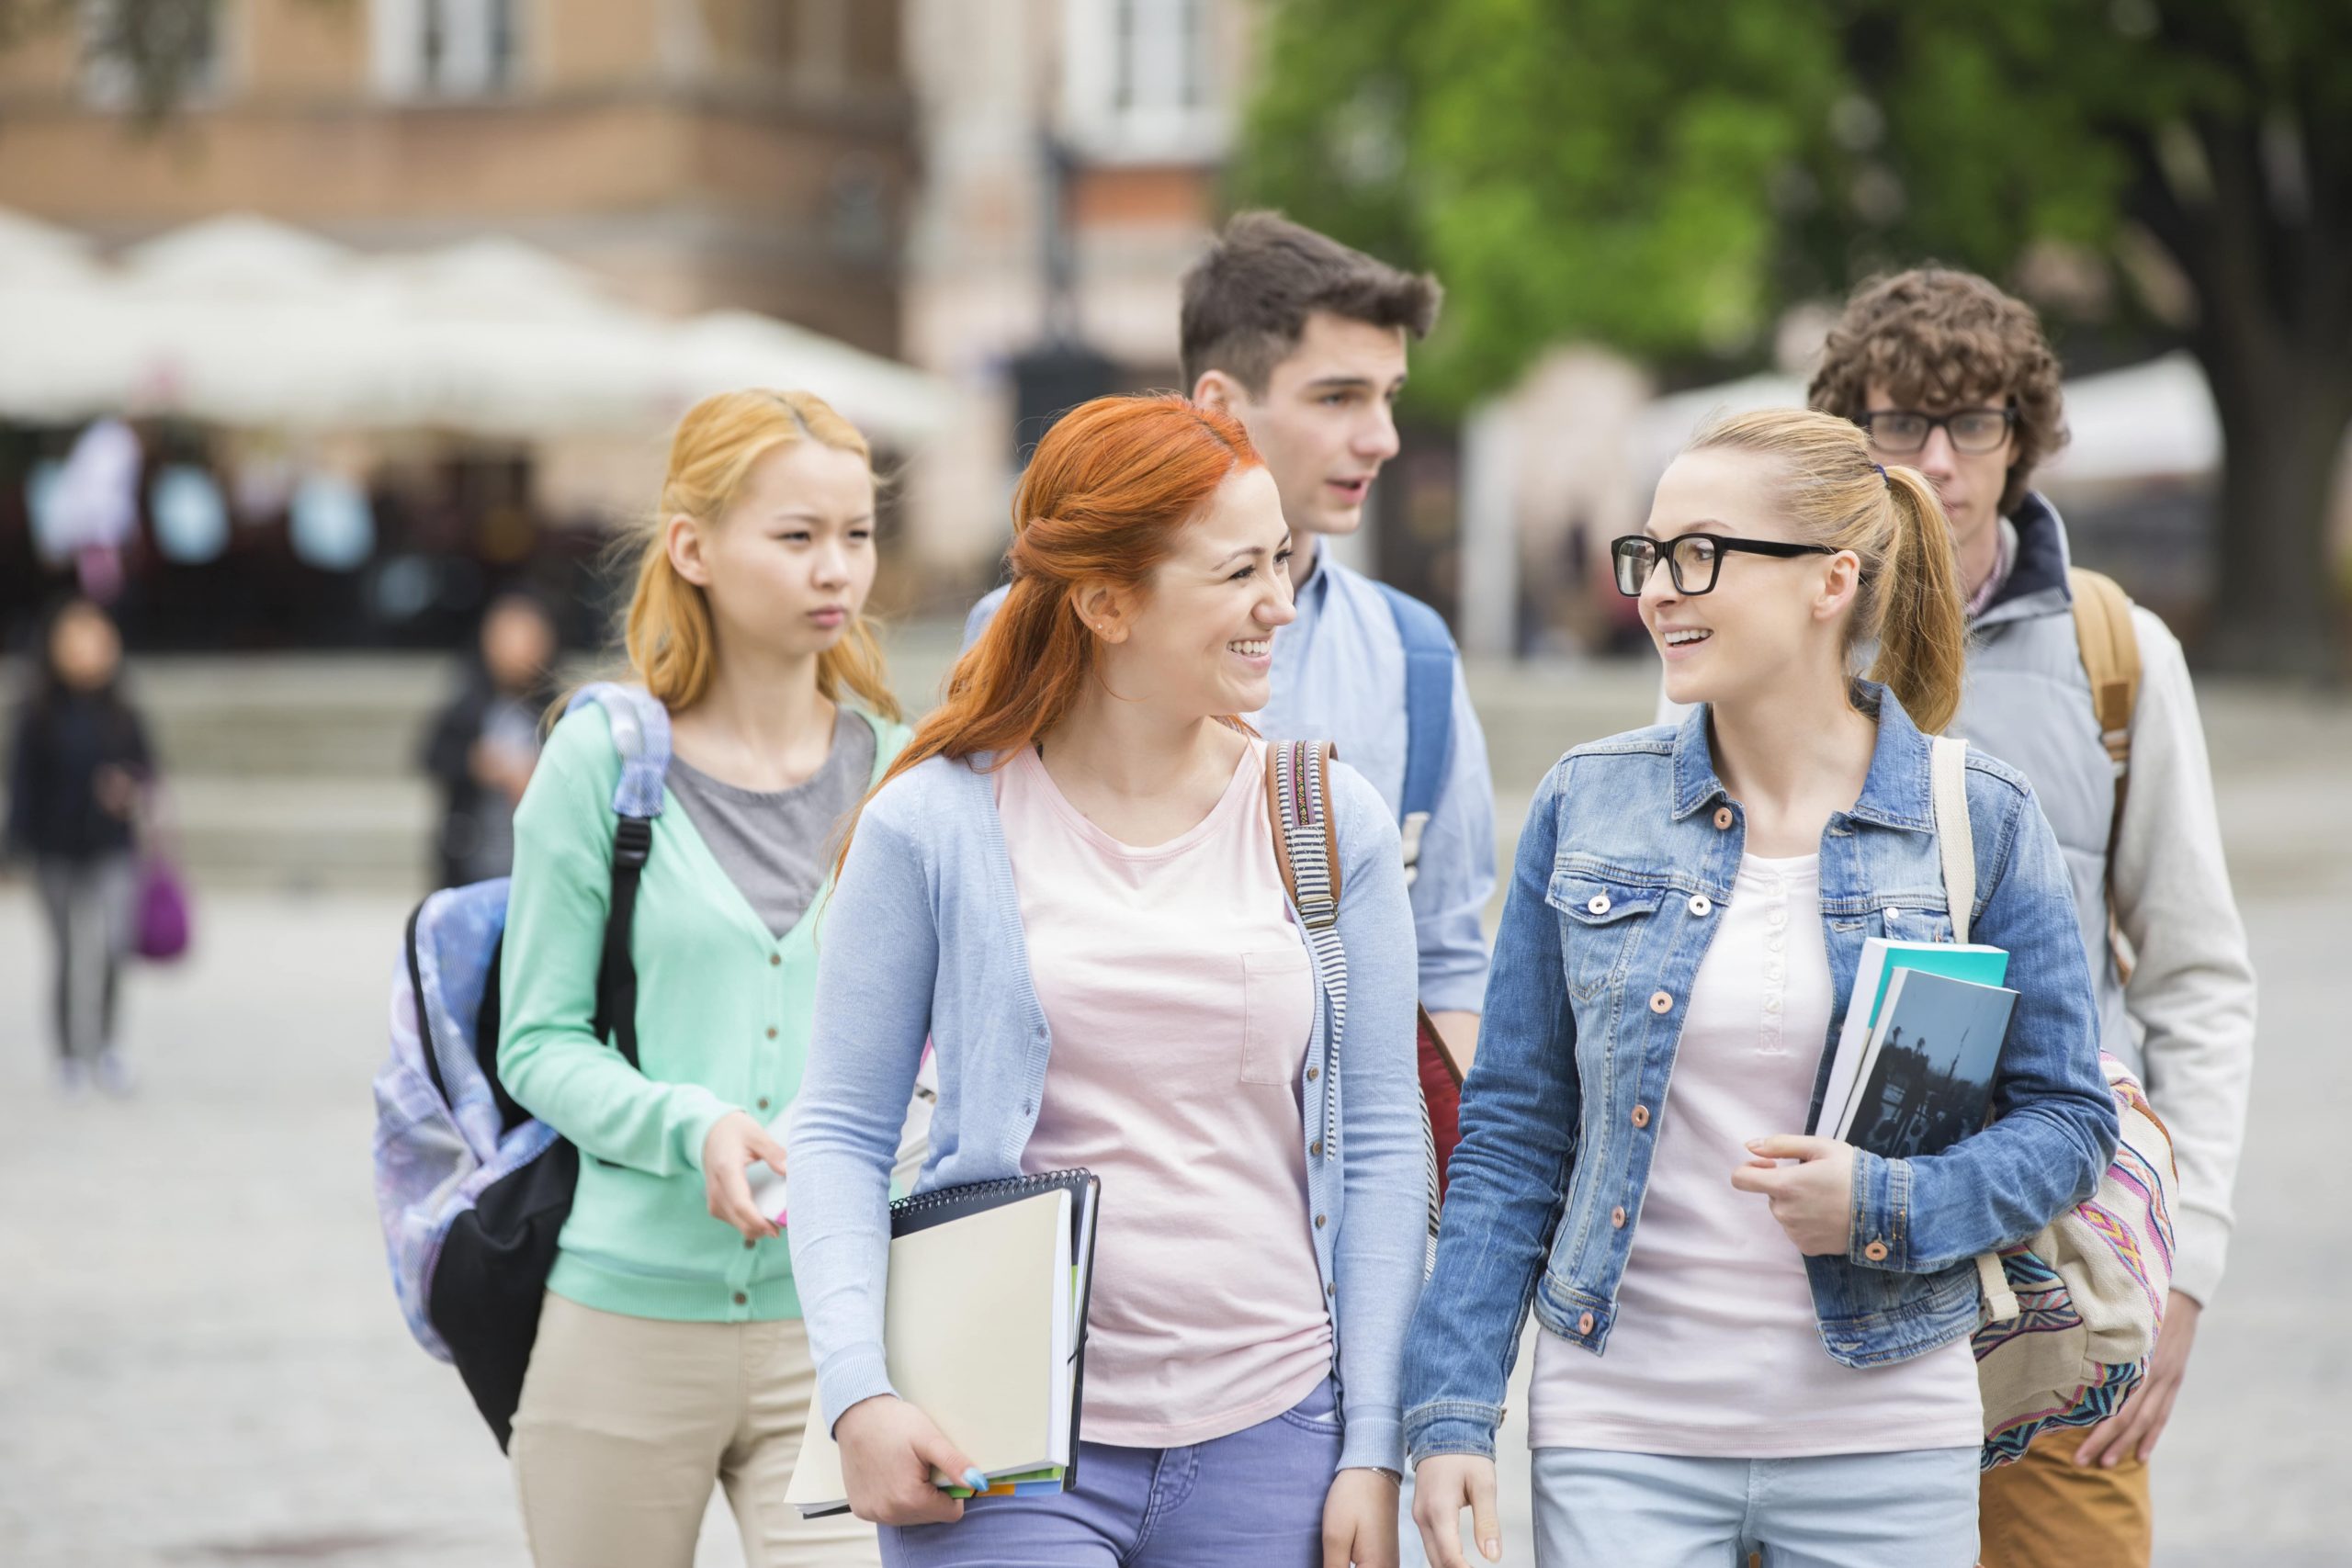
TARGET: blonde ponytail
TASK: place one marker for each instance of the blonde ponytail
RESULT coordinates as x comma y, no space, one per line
1923,621
667,630
1908,602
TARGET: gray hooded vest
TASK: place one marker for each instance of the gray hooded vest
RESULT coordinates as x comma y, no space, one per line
2027,700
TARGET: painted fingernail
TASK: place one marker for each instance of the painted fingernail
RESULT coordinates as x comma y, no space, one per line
977,1481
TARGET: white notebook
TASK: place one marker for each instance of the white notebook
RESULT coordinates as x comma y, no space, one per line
984,1323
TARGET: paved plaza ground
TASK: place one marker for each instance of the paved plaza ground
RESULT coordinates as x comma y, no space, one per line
202,1363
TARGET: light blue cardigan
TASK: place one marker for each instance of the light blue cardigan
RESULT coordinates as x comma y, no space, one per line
923,938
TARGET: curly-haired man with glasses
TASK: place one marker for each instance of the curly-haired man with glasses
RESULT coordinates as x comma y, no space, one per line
1953,377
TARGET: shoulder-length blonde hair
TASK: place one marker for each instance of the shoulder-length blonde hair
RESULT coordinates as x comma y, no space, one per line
669,637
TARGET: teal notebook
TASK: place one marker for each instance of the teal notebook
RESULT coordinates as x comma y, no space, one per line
1882,960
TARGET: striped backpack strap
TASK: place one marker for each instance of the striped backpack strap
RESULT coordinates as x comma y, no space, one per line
1306,847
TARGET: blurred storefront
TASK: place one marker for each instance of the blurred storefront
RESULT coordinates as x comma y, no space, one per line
399,300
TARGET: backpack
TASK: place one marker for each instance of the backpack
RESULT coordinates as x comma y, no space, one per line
471,1188
2070,1314
2111,652
1306,847
1429,747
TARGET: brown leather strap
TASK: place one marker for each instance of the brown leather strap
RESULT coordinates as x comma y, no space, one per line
2111,652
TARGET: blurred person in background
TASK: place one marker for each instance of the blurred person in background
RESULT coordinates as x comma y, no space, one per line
670,1355
79,763
483,745
1953,377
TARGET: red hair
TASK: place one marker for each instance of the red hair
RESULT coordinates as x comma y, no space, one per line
1103,501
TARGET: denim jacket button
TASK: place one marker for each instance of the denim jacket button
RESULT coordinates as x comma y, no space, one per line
1617,1216
1723,816
1598,903
1661,1002
1876,1252
1641,1116
1584,1324
1701,905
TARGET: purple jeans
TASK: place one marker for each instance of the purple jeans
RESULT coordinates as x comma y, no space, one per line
1253,1498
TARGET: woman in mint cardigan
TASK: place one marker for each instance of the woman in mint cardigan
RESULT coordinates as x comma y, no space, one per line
670,1351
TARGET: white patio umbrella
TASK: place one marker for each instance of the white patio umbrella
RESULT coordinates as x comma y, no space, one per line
725,349
243,321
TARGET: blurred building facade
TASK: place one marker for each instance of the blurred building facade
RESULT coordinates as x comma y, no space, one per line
1071,156
700,153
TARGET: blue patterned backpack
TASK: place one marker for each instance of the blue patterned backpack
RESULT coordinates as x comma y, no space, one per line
474,1191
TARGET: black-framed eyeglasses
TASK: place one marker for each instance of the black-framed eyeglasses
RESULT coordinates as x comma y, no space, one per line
1693,559
1904,430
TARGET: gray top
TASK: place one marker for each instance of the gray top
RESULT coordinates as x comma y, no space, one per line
776,845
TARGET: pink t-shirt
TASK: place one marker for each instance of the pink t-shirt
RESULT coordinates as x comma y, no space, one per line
1715,1351
1181,1002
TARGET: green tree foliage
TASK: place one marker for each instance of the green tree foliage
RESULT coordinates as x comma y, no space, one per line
1668,177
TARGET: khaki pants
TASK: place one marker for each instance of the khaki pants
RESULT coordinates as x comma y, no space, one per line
2044,1511
626,1422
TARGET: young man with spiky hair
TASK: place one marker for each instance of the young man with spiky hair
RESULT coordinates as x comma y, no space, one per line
1953,377
1303,340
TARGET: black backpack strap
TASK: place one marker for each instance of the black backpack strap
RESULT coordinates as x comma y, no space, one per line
616,973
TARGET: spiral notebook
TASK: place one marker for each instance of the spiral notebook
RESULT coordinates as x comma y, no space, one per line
984,1330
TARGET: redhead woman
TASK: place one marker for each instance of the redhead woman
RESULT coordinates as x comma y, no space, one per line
1068,883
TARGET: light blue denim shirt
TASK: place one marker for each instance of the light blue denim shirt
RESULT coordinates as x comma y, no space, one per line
923,938
1627,860
1339,675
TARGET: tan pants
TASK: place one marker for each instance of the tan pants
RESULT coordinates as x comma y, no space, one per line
627,1421
2045,1511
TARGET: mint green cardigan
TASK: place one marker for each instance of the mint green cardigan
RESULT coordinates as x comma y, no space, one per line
723,1009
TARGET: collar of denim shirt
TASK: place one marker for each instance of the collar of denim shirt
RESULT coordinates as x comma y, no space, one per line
1898,791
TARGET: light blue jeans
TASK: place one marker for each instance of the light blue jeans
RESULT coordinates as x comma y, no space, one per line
1597,1509
1254,1497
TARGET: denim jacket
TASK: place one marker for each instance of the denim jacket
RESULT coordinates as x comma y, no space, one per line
1628,856
923,937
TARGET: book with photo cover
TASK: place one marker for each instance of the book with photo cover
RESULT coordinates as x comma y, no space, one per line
1926,1079
984,1330
1882,959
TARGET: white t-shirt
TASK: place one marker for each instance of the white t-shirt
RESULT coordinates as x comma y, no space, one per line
1715,1351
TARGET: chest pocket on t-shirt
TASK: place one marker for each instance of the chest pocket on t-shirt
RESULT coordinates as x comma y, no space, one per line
1277,1011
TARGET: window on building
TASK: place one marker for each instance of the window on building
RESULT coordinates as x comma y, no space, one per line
177,42
448,49
1139,79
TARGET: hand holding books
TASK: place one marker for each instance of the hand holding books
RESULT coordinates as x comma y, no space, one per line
890,1449
1812,1199
984,1334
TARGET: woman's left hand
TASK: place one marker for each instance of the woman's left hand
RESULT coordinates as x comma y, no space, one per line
118,792
1360,1520
1814,1200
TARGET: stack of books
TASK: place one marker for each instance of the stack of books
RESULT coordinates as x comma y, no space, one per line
984,1331
1916,1058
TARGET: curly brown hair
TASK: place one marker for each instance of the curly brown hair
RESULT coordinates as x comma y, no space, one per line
1939,338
